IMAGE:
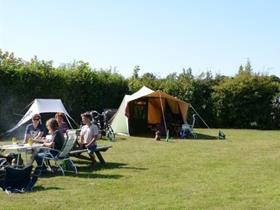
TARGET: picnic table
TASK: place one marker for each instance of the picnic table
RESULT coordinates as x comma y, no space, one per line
78,153
22,148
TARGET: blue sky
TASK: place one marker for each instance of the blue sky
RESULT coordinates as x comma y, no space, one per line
162,36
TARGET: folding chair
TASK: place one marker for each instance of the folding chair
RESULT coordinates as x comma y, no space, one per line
62,156
187,131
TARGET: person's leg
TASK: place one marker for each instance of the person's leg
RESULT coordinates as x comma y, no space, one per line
39,159
41,166
91,149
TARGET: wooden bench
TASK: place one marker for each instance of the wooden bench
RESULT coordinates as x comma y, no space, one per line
99,149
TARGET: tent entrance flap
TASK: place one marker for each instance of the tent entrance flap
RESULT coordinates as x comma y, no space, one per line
138,111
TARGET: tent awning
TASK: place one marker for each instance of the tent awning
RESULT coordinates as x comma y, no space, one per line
43,106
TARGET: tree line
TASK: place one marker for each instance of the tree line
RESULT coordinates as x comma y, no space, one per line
246,100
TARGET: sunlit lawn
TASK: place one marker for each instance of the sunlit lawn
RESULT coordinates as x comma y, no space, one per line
241,172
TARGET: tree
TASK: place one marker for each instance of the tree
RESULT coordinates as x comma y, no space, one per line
134,82
136,70
248,67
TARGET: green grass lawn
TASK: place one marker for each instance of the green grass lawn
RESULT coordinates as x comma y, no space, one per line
241,172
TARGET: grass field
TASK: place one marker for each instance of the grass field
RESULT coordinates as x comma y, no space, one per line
241,172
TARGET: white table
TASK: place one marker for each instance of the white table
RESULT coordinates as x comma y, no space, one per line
23,148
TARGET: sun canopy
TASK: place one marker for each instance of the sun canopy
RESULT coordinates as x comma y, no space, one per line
151,106
43,106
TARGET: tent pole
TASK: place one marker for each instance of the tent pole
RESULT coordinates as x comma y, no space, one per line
167,133
29,104
199,116
69,121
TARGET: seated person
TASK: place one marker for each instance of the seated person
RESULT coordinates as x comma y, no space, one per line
62,125
34,130
88,134
56,142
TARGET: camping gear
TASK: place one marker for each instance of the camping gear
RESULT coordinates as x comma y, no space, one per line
62,156
43,106
221,135
145,109
102,122
18,179
187,130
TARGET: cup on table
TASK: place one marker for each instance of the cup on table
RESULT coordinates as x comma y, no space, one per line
14,140
30,141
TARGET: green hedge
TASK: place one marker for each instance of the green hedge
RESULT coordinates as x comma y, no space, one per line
246,100
80,88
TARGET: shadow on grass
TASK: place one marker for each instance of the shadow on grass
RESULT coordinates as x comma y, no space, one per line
98,176
86,169
86,166
41,188
112,165
200,136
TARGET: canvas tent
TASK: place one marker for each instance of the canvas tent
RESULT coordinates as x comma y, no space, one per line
146,108
43,106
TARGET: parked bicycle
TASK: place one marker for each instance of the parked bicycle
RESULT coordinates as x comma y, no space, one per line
101,120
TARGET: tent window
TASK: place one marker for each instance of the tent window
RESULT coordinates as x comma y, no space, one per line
139,110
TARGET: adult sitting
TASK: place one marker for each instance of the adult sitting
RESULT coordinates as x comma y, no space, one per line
56,141
34,130
88,134
62,125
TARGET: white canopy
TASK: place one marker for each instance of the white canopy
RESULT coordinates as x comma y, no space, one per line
43,106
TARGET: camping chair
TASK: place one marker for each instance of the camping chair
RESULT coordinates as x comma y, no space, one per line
62,156
18,179
187,131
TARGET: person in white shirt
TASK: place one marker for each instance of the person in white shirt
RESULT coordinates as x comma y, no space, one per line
89,134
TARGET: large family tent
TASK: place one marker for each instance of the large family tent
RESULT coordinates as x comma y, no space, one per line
147,110
43,106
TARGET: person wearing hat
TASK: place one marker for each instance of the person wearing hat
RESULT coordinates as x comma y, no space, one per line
34,130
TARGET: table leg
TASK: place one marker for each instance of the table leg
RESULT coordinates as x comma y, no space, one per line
100,158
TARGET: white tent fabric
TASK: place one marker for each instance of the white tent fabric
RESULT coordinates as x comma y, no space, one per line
43,106
120,122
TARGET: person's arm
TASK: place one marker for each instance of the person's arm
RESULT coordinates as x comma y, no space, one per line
39,135
26,135
92,140
82,138
64,127
48,144
41,132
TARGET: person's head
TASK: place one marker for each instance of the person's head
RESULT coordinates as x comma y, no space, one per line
86,118
52,125
59,117
36,120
